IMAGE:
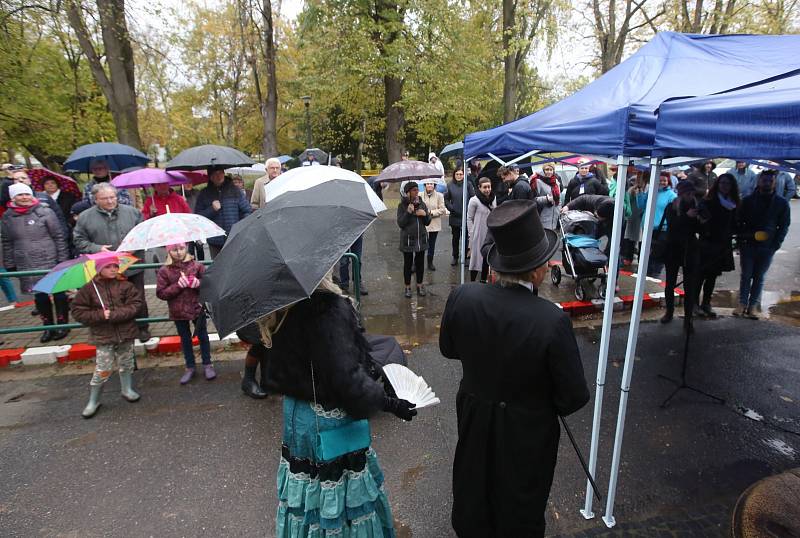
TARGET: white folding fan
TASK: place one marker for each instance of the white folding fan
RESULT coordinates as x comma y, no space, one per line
409,386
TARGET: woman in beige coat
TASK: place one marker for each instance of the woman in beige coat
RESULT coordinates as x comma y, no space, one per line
435,202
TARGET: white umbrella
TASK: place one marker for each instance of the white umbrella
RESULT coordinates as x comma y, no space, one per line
307,177
169,229
257,169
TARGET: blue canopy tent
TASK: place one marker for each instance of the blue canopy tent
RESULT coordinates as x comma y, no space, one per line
615,114
760,121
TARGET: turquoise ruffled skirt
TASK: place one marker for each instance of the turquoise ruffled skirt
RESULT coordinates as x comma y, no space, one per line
343,497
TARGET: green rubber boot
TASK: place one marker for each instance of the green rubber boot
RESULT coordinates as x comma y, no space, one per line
94,401
126,386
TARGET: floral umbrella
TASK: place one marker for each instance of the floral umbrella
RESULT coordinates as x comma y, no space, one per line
73,274
170,229
65,183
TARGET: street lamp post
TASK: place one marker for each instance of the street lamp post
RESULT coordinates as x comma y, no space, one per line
307,102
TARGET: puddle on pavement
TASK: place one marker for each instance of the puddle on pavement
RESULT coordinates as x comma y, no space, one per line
777,305
410,477
411,328
401,530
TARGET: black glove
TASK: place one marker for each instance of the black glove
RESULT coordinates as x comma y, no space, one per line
400,408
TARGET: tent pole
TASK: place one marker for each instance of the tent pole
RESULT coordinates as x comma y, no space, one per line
633,335
608,314
462,256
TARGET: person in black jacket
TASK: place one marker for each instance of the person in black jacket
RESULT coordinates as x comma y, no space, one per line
683,223
454,202
584,182
515,186
412,218
718,223
319,360
511,394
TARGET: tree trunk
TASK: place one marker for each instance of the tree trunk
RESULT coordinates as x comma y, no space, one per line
270,108
509,63
359,165
395,119
119,84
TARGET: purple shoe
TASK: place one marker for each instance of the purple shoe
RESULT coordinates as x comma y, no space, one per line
187,376
210,373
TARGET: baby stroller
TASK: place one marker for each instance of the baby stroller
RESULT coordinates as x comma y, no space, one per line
580,253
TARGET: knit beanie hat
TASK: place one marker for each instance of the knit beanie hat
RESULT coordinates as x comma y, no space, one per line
19,188
104,262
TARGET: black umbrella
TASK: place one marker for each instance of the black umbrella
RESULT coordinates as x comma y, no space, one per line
407,171
201,157
319,155
279,254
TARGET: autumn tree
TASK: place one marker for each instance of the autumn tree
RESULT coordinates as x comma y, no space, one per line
113,65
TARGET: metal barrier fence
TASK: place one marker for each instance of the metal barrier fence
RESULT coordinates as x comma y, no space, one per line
161,319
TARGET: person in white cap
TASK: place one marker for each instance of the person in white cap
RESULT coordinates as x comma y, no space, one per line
33,238
435,161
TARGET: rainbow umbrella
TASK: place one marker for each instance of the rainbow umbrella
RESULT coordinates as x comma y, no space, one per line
74,274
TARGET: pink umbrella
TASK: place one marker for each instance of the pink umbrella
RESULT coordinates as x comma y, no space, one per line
580,160
146,177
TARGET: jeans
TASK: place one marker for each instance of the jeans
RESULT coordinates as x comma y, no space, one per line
456,230
418,259
432,244
344,264
185,332
8,288
755,262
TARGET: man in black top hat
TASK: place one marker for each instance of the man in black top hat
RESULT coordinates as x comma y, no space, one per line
521,369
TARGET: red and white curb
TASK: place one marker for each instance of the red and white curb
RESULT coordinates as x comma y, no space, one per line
624,302
79,352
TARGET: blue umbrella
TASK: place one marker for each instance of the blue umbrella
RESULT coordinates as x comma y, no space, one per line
456,149
285,158
117,156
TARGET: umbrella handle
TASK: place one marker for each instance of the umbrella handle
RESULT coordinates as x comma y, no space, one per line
98,295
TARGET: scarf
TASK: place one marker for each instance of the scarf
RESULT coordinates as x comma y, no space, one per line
22,210
485,200
553,187
727,203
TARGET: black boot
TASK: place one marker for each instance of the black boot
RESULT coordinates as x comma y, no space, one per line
430,264
249,385
454,261
47,319
667,317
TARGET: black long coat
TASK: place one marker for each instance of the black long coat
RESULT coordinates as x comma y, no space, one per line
521,369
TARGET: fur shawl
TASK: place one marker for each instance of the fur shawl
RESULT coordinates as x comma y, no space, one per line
324,331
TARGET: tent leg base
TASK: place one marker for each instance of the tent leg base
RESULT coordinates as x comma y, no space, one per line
586,515
609,521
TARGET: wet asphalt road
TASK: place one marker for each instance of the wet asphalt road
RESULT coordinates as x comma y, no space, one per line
201,460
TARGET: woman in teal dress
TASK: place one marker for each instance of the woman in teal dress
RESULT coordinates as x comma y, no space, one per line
329,481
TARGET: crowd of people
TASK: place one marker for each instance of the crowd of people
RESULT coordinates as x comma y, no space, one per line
315,352
697,217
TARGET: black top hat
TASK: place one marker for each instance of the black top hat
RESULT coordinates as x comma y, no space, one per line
521,243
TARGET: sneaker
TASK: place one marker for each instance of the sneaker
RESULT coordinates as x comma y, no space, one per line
740,311
187,376
754,312
408,293
431,267
209,371
454,261
363,289
421,291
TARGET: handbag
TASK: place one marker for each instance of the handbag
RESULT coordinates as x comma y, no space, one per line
339,441
658,245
